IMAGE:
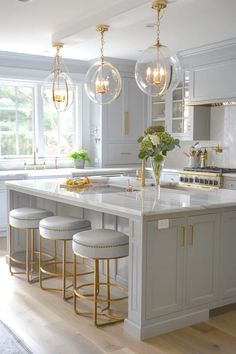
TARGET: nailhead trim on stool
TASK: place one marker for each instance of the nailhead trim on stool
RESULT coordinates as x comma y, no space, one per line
27,219
100,244
59,228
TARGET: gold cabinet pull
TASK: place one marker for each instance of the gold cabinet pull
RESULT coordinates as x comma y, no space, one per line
183,236
125,153
192,235
126,123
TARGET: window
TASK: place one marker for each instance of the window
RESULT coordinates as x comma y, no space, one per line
16,120
59,131
25,122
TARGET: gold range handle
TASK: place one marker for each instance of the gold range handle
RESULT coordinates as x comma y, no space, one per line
191,235
182,244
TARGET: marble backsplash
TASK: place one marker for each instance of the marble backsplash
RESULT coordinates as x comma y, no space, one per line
223,132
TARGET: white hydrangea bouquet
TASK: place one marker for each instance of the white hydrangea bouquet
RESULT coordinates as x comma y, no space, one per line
155,144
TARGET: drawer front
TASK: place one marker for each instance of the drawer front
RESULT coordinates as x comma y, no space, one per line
117,154
230,184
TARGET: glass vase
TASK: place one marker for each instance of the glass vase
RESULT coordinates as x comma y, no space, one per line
157,167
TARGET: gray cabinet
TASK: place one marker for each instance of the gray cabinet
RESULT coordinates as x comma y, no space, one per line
182,263
122,123
228,259
180,118
213,82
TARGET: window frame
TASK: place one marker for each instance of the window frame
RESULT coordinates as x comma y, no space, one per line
38,116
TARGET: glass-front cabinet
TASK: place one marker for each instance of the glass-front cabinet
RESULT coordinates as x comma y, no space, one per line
179,118
158,111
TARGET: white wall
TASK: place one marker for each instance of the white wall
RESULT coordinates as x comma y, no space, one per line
223,132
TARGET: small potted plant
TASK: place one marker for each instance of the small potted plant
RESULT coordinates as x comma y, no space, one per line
79,158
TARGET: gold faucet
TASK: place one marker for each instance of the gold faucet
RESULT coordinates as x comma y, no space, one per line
217,149
35,164
129,187
141,177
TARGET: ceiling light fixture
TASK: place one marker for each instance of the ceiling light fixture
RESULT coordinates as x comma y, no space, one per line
102,82
58,88
157,70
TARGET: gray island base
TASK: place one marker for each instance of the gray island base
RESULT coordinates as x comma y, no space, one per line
182,246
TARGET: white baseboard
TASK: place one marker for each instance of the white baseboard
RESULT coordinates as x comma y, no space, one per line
165,326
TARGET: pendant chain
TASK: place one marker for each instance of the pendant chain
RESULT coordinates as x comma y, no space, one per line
158,25
102,47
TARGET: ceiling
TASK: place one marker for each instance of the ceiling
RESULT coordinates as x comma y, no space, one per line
30,27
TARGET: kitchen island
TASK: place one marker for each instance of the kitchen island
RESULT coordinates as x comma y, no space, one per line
182,245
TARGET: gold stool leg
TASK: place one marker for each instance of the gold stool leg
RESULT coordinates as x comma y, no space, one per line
108,283
74,281
55,255
96,266
64,269
40,261
27,258
32,259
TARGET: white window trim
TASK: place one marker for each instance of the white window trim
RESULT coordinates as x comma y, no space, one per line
37,121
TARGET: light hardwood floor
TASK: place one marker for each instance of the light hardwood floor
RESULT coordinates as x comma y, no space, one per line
48,325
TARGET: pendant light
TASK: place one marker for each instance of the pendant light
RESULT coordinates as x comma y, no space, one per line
102,82
157,70
58,88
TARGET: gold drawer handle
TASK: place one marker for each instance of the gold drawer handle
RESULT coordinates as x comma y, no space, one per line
125,153
192,235
126,123
183,236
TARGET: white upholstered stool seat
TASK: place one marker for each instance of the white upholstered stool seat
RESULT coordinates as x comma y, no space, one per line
101,244
62,227
59,228
27,218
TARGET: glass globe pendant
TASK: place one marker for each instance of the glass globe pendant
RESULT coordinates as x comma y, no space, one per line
58,88
157,70
102,82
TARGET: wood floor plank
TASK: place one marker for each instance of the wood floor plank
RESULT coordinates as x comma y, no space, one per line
49,326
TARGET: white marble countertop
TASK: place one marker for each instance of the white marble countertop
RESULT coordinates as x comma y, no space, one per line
62,172
146,201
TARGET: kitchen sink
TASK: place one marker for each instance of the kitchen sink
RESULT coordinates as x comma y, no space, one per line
101,189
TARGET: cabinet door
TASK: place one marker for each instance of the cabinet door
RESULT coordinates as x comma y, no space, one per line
229,183
3,213
123,120
202,238
228,248
164,272
214,82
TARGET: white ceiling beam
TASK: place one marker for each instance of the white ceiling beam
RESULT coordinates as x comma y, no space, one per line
96,17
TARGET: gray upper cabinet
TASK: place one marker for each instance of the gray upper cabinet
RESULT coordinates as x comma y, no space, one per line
174,111
213,82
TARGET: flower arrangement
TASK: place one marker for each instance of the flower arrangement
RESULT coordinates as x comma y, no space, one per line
156,143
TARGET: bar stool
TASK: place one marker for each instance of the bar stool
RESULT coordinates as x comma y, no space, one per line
26,219
62,229
100,244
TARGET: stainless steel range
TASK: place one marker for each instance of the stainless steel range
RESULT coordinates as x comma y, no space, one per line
206,177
